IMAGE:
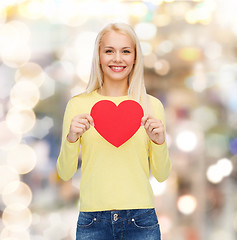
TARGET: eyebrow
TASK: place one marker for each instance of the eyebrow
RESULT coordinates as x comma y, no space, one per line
113,47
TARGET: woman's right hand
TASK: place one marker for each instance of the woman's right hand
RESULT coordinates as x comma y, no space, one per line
79,125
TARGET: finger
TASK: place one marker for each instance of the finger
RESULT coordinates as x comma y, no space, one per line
157,130
79,128
155,125
84,122
144,119
90,119
148,123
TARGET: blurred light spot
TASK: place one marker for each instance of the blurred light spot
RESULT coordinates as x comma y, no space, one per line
168,139
8,139
27,160
146,48
13,34
201,13
83,48
67,12
162,20
217,145
214,174
201,80
24,95
17,192
20,121
62,71
187,204
186,141
156,2
7,175
7,234
150,60
3,15
213,50
189,54
162,67
47,89
16,56
31,9
158,188
138,9
226,166
14,38
30,72
42,127
7,3
77,90
164,47
99,9
5,85
42,149
205,116
166,223
16,217
233,146
145,31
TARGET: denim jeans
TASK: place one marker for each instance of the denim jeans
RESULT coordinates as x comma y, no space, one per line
132,224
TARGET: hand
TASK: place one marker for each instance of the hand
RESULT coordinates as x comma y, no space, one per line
79,125
154,128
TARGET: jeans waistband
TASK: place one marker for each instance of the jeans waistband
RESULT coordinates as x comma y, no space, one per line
118,215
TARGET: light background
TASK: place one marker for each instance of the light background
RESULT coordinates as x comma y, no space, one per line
190,54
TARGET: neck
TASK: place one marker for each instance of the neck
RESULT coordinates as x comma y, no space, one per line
114,90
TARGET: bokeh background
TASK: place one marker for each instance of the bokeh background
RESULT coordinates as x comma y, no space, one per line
190,61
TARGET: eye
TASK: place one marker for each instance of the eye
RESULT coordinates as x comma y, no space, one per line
108,51
126,51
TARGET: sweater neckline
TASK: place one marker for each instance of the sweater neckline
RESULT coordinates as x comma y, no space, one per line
109,97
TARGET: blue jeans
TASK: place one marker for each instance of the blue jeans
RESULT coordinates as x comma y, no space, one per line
133,224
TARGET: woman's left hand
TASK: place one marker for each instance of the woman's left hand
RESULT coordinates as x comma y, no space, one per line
154,128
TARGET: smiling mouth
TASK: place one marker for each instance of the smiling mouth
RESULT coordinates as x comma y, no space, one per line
117,68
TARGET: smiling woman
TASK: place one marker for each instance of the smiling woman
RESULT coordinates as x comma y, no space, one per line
115,185
117,58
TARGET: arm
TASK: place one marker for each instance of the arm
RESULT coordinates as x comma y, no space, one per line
160,163
68,158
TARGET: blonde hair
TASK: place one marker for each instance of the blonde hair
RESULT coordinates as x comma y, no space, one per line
136,89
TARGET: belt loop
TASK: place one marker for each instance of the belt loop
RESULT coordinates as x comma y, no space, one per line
98,215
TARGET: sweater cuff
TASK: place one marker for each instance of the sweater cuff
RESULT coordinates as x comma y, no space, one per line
72,145
158,146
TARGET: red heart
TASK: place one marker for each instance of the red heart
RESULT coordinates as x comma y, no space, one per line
119,123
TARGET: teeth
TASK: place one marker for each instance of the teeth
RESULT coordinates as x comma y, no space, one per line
117,68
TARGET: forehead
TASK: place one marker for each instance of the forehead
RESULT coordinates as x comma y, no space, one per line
116,39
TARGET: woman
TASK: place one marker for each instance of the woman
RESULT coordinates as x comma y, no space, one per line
116,198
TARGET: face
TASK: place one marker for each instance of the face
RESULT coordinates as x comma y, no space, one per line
117,56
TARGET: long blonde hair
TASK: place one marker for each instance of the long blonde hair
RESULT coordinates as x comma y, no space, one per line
136,89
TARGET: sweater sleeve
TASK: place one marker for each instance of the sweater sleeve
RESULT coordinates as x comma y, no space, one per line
160,163
68,157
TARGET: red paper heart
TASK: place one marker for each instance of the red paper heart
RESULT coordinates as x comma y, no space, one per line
119,123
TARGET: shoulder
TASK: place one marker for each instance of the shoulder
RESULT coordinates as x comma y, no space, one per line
82,97
155,101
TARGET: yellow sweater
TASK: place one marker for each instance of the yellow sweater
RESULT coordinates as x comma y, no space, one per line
112,178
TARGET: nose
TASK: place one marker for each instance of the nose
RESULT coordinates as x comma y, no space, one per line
117,57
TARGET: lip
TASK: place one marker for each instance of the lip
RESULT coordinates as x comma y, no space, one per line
116,68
